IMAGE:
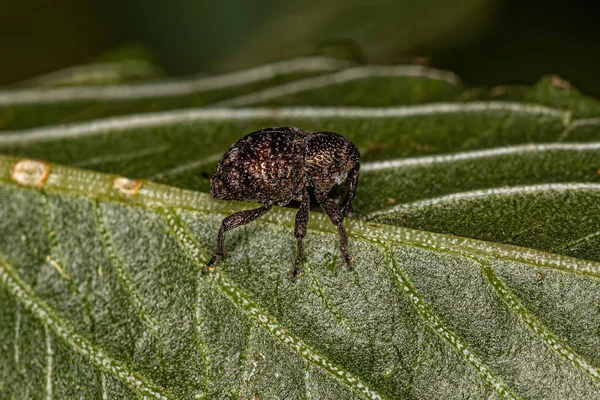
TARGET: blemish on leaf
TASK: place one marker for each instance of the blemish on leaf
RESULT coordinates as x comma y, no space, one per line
539,276
58,268
560,83
126,186
30,173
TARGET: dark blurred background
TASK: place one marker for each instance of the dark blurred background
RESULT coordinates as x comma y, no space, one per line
486,42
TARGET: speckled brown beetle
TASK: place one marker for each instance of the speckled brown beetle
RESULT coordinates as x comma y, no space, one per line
277,165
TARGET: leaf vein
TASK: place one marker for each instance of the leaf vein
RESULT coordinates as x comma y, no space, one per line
584,239
436,324
519,149
267,322
307,393
22,292
337,78
49,364
317,288
245,361
17,334
539,329
56,259
103,382
121,272
271,325
178,230
149,120
483,193
153,196
471,247
171,88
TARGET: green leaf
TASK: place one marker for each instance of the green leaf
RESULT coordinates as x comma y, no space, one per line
550,90
25,108
100,275
104,73
451,147
559,218
81,257
360,86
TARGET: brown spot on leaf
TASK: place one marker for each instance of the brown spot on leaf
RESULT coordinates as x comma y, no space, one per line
126,186
560,83
30,173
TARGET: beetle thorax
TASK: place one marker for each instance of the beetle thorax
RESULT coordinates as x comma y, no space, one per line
328,159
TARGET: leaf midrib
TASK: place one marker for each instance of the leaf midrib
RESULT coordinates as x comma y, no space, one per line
154,196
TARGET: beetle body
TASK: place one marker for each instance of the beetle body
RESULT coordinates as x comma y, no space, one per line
264,166
277,165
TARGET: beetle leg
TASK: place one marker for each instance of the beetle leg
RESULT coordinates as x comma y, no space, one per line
232,222
300,230
337,218
347,207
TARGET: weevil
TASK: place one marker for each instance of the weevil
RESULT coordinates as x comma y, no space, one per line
274,166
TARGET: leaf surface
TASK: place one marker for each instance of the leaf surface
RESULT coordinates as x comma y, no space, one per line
26,108
81,256
100,275
408,153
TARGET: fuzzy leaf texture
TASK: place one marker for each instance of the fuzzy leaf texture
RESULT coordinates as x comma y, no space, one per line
476,242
